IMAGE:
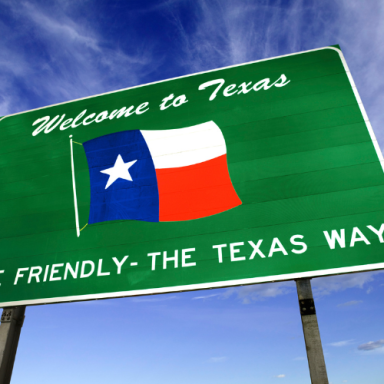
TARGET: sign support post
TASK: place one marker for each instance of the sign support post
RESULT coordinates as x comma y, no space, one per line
12,320
315,355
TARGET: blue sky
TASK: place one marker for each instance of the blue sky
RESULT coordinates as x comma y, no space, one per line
56,51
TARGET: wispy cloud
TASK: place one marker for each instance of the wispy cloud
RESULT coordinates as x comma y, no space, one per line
257,292
341,343
159,6
326,285
228,32
224,33
281,376
205,297
71,60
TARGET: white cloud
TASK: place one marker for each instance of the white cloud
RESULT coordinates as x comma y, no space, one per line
342,343
159,6
230,31
371,345
71,58
326,285
205,297
257,292
281,376
225,33
4,107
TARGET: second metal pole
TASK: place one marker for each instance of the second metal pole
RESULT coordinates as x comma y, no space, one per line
311,331
11,322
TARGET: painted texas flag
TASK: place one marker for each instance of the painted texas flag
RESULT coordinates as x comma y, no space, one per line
164,175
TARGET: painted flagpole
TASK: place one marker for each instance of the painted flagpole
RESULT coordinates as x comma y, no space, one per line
74,188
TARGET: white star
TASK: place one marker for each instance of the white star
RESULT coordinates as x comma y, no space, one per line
118,171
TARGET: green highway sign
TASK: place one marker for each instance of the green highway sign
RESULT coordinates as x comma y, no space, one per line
259,172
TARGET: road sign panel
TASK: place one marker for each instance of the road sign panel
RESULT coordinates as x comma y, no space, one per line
259,172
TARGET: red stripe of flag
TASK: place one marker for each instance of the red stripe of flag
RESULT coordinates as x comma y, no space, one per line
195,191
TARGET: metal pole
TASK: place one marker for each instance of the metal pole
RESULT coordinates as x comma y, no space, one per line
315,355
12,320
